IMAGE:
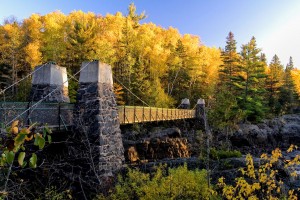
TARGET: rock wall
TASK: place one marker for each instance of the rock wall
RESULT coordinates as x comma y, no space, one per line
96,111
60,94
96,120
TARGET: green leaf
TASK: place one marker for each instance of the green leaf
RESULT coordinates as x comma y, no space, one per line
24,164
44,132
49,139
19,139
47,129
22,148
21,158
36,139
41,142
10,157
33,160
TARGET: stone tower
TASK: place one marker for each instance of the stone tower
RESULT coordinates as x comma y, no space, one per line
96,113
49,78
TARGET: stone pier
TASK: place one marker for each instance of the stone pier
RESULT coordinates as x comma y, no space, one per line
50,78
96,114
200,109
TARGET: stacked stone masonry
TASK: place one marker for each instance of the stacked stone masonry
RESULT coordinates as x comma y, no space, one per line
59,93
97,111
51,83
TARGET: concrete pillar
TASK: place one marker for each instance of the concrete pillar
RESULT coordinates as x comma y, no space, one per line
200,109
185,104
96,110
46,79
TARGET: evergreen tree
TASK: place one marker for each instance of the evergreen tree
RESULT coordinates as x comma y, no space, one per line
288,96
230,68
250,98
273,84
127,57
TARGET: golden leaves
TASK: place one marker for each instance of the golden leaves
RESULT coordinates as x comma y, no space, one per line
260,181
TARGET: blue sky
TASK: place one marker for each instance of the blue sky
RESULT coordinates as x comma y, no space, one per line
274,23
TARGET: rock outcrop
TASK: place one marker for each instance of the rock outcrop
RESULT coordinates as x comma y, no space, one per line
279,132
160,144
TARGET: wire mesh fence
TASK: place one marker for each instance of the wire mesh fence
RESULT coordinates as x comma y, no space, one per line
55,115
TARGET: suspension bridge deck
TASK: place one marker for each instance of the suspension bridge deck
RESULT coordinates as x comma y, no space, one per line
60,115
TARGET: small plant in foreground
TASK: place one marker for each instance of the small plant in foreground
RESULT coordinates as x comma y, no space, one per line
262,182
14,141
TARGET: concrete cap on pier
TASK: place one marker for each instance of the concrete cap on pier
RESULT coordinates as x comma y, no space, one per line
50,74
95,71
200,102
185,101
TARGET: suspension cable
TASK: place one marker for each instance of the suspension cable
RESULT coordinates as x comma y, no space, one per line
40,101
131,91
4,90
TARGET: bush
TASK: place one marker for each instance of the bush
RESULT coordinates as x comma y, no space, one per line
178,183
221,154
262,182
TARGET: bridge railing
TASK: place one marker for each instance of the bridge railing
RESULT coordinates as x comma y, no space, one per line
56,115
60,115
138,114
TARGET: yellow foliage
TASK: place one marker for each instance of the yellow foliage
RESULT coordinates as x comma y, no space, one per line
292,148
296,78
259,183
33,53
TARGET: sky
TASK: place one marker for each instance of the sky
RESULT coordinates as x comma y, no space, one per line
274,23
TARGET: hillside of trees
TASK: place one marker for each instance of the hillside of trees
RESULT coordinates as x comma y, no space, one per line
159,65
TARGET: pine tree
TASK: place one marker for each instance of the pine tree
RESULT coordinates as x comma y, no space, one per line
250,98
126,54
273,84
230,68
288,96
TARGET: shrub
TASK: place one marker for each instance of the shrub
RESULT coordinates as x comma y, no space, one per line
221,154
262,182
178,183
16,155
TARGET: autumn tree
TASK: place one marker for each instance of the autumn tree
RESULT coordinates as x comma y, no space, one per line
12,54
53,37
32,28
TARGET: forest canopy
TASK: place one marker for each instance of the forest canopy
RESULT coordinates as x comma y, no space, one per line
159,65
